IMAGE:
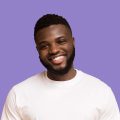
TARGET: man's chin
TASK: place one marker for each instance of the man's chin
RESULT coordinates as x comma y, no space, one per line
62,68
56,69
59,71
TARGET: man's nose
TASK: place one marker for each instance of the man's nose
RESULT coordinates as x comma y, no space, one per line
54,48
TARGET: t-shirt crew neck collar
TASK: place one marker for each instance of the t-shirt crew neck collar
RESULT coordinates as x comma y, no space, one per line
66,83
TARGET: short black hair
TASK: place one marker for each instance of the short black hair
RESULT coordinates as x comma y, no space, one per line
50,19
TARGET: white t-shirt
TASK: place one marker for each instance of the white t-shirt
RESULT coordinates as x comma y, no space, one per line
82,98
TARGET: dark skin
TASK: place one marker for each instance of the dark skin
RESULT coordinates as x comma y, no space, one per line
55,46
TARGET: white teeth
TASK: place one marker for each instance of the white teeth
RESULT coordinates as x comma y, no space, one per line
57,58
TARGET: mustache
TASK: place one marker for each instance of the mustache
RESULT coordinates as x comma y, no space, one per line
50,57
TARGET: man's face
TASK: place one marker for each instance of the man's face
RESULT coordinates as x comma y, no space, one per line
55,46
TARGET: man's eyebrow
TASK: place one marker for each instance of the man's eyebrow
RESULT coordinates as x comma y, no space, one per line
60,37
42,42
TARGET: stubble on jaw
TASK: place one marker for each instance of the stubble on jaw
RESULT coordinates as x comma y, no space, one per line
69,65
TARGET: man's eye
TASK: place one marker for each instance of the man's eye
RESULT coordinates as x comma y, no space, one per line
61,41
42,47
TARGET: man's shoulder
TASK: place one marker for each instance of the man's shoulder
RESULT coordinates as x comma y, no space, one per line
95,86
93,81
30,82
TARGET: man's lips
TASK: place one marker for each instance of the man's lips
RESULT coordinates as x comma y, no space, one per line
57,59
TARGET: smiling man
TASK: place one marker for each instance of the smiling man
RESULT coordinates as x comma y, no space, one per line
55,46
62,92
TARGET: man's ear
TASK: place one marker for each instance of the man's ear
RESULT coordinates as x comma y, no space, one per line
37,48
73,41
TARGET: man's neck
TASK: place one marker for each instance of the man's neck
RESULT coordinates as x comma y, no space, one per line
67,76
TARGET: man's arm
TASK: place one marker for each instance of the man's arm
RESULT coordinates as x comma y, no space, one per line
111,110
10,110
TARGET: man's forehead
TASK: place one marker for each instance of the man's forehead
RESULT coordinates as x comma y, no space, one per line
58,29
55,27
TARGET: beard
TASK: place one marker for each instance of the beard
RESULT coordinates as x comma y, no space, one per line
60,71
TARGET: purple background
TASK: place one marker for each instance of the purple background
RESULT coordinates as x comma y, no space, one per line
96,28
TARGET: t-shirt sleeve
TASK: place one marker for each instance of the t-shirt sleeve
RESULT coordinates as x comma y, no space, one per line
10,110
111,110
